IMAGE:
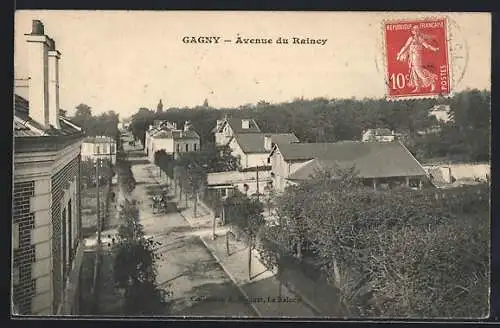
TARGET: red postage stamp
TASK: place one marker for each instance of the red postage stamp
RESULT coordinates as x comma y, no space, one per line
417,58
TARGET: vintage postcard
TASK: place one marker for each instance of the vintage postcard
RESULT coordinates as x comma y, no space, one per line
251,164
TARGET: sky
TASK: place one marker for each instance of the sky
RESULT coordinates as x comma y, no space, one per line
124,60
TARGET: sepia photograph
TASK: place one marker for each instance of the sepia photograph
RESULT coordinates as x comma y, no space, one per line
237,164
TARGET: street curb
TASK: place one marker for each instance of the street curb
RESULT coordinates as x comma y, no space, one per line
224,268
219,261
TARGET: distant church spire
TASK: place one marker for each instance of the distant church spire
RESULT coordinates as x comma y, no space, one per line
159,108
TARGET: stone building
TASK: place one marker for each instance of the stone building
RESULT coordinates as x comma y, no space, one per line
46,235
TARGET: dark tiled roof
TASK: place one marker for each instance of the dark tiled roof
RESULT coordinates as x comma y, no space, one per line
175,134
25,126
371,159
254,142
21,130
236,125
98,140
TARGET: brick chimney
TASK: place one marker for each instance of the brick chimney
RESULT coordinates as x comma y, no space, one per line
54,56
38,44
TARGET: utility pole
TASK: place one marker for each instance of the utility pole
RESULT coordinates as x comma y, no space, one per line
98,252
98,204
258,192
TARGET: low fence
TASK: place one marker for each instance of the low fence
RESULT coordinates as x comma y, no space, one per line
303,277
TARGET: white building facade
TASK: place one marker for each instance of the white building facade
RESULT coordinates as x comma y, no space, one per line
174,142
102,148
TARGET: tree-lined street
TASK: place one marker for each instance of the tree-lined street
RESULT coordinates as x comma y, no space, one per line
194,282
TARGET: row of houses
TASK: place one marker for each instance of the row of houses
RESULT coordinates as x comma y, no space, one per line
278,160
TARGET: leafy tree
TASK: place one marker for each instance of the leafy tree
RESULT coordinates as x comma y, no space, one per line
194,167
83,111
135,266
126,178
246,215
88,171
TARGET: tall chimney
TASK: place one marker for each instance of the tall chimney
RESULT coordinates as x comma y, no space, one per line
54,56
38,70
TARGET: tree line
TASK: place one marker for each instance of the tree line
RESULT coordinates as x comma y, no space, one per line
465,137
190,170
135,256
105,124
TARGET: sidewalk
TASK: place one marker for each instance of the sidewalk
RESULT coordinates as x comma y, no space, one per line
263,290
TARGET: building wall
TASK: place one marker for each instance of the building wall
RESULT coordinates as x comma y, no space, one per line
248,160
157,144
237,152
192,145
173,146
278,168
461,171
384,138
282,169
24,284
224,137
257,159
99,150
470,171
65,185
38,178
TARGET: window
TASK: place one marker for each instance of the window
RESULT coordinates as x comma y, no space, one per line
15,236
414,183
187,148
178,148
112,148
194,147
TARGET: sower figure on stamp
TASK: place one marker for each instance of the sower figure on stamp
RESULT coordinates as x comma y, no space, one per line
419,76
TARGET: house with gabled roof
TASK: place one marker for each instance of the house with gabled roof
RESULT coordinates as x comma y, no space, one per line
229,126
174,141
47,247
253,149
379,164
